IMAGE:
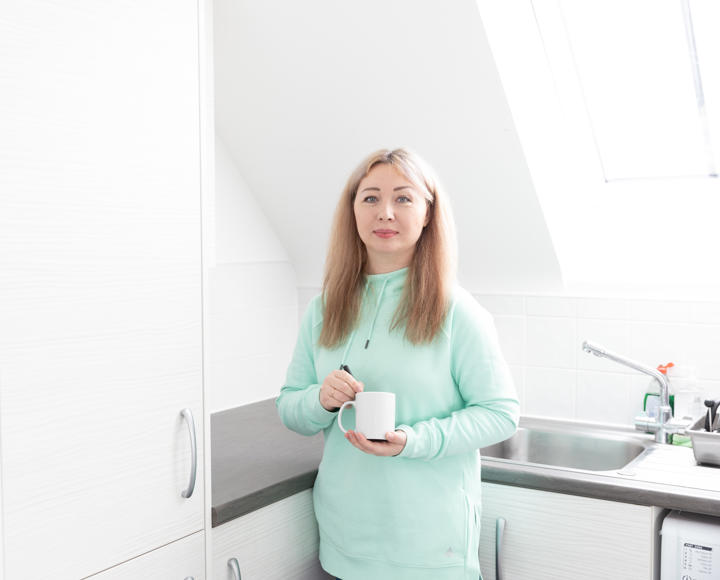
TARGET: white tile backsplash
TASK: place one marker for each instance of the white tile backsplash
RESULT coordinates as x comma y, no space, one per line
705,312
603,308
704,350
612,334
551,306
549,392
550,342
541,337
660,310
656,343
710,389
604,397
511,331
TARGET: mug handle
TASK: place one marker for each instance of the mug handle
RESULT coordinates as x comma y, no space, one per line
345,404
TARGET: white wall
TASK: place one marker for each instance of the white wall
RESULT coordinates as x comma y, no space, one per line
252,304
304,90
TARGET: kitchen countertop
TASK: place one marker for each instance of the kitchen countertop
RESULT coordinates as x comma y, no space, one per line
665,476
252,471
257,461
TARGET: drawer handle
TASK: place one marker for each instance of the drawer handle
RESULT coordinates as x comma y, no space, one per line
235,567
188,416
499,537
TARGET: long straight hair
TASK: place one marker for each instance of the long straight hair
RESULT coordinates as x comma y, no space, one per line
425,299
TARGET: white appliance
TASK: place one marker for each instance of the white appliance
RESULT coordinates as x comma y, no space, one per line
690,547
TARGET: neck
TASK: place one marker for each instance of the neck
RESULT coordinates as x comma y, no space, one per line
384,264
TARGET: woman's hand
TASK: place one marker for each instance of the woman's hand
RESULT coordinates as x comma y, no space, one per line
338,387
393,446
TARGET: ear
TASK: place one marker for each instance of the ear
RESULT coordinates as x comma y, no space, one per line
428,214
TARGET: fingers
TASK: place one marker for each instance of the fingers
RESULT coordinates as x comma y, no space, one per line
347,383
337,388
382,448
327,400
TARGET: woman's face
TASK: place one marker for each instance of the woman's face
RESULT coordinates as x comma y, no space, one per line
390,214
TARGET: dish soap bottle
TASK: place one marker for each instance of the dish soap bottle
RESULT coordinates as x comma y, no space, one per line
652,396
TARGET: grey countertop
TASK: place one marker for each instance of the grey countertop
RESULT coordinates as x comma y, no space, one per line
644,486
256,461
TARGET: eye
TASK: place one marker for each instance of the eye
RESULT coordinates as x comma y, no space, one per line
370,198
404,199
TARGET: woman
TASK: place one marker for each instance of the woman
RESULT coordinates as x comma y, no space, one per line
409,507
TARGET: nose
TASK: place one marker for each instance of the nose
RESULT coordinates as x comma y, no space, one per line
385,212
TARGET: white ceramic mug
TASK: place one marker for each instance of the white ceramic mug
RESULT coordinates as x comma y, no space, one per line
374,414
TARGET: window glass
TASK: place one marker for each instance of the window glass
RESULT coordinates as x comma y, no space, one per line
634,65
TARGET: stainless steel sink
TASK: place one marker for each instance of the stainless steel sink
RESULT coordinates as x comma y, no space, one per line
571,445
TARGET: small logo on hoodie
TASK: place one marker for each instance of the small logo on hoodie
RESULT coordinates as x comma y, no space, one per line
449,553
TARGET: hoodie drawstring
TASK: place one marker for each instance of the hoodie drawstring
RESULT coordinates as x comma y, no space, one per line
377,310
372,326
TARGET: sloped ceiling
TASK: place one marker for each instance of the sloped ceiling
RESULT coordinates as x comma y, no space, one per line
304,90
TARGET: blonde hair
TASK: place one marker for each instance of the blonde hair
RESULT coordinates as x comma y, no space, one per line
423,305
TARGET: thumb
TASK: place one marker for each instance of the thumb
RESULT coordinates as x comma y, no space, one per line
394,437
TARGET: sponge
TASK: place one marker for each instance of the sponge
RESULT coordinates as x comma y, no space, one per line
681,440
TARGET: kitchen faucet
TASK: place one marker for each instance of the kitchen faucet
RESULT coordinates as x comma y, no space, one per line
663,425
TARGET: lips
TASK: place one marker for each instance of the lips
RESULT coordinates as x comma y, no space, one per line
385,233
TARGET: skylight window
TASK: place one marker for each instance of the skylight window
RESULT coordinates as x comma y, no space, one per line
643,71
617,107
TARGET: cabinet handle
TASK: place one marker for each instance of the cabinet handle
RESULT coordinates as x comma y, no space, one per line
235,567
499,536
188,416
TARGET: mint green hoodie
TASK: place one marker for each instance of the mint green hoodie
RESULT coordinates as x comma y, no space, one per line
415,516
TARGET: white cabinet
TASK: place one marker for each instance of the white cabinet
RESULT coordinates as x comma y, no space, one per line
277,542
181,560
100,282
557,536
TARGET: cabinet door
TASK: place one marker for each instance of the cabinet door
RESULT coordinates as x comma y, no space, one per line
277,542
179,560
556,536
100,280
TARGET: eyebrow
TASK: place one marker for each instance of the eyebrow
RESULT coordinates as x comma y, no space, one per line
394,188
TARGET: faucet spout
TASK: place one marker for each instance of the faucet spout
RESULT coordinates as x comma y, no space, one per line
662,426
599,351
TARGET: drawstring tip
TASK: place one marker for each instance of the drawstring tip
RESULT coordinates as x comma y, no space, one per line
367,343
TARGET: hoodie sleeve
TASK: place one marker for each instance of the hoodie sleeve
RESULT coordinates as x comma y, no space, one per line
479,370
299,401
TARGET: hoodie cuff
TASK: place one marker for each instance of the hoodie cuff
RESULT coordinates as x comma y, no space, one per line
410,449
314,410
